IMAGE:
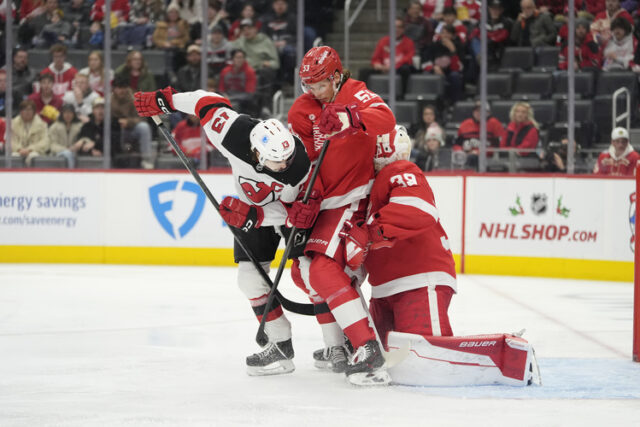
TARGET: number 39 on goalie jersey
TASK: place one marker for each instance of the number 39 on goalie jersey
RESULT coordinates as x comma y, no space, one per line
402,202
229,132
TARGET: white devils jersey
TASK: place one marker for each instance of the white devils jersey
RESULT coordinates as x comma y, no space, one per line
229,132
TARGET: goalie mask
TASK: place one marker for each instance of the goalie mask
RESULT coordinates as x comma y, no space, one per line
391,147
274,145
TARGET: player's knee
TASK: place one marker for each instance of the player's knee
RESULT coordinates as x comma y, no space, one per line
250,281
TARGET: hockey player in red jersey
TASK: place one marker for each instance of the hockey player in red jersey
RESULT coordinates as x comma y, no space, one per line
337,107
412,274
269,166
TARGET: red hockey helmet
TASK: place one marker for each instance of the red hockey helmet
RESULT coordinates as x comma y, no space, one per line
319,63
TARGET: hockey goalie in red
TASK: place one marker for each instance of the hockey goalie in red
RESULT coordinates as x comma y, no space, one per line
342,110
412,273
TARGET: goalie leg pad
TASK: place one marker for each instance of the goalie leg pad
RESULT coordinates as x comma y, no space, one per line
463,361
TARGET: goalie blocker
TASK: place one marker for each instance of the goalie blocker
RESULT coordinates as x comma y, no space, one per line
464,361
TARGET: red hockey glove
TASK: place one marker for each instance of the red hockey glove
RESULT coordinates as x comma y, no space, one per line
356,244
303,215
376,236
241,215
340,120
153,103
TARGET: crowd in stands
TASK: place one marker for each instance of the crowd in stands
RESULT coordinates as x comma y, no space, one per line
251,54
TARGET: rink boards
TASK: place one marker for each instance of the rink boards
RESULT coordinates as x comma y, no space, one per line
537,225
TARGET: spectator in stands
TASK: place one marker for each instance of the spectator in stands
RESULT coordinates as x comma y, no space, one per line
142,18
620,159
135,132
619,51
187,135
219,51
587,51
22,76
216,17
96,72
432,9
601,25
380,61
172,36
468,11
522,131
29,137
498,27
76,12
90,140
555,157
450,17
442,58
55,31
468,139
188,76
280,25
552,7
64,134
189,10
428,124
96,37
3,93
119,9
137,73
262,56
62,71
429,155
417,27
47,103
248,12
81,97
32,24
238,83
532,28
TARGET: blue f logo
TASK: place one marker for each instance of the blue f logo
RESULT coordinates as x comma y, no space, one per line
160,209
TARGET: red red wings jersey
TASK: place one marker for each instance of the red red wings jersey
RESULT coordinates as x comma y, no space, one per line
402,202
347,170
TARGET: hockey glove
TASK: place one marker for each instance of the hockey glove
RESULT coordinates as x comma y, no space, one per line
303,215
153,103
356,244
337,120
241,215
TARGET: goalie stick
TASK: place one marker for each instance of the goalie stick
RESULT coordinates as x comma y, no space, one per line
292,306
261,336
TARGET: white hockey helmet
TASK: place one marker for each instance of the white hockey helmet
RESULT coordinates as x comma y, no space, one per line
272,142
391,147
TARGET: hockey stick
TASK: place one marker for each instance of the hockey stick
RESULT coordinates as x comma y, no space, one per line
391,358
294,307
261,336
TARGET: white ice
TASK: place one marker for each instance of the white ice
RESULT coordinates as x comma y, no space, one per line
88,345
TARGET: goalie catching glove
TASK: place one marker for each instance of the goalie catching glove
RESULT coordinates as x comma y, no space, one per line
153,103
303,215
338,120
241,215
359,239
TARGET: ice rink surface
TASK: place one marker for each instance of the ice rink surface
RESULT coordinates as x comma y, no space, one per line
88,345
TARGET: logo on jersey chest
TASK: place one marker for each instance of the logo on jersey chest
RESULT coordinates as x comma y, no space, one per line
260,193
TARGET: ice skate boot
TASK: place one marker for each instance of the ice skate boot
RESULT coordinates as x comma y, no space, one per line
331,358
275,359
366,367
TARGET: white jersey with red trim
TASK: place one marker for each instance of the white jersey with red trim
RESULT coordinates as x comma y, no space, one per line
229,132
402,202
347,170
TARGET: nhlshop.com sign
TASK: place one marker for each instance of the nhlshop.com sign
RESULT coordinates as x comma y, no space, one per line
550,217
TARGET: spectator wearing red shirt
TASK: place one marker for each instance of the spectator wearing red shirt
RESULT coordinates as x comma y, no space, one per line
620,159
601,25
552,7
380,61
47,98
468,10
238,83
498,27
442,58
187,135
432,9
587,52
469,131
592,7
450,17
417,27
120,8
248,12
62,71
522,131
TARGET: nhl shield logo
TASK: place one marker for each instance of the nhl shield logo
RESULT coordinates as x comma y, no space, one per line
539,204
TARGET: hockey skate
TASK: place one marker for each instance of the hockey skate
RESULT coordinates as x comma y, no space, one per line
366,367
275,359
331,358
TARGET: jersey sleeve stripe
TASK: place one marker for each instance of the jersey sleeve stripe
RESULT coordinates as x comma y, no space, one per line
206,101
417,203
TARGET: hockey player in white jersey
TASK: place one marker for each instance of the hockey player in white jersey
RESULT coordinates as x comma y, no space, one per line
269,166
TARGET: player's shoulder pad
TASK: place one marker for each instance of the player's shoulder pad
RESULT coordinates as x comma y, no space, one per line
302,104
237,140
399,167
